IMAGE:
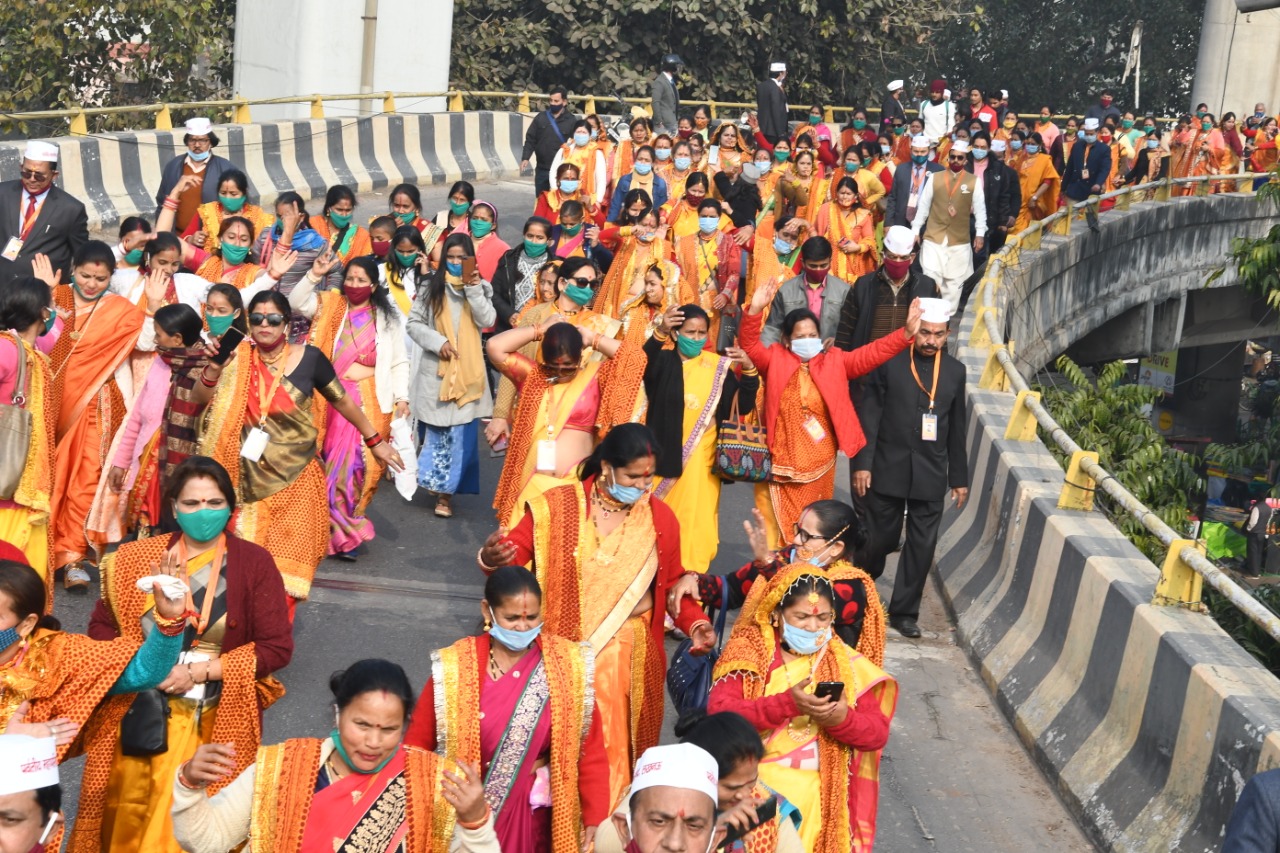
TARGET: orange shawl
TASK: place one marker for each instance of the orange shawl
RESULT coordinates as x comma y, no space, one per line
212,213
89,351
632,259
213,268
35,489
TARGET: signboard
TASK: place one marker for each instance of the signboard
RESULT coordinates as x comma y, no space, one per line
1158,370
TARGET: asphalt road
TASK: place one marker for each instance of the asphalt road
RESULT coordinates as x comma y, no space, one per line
954,777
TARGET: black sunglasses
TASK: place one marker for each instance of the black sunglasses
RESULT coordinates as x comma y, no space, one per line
583,282
32,175
273,320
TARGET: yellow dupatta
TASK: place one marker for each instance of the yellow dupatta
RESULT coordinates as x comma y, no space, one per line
462,377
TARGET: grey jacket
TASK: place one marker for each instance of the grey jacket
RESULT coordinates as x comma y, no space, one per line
425,396
665,106
792,296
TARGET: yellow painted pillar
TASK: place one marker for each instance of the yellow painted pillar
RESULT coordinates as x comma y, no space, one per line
242,114
455,102
317,107
164,121
79,127
389,103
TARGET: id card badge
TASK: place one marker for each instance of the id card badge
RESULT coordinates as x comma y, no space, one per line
929,426
1084,173
255,444
196,693
913,200
11,249
815,430
546,456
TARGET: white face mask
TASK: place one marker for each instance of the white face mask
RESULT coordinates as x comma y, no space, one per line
806,348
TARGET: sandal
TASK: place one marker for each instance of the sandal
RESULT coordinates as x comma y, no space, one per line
77,578
444,506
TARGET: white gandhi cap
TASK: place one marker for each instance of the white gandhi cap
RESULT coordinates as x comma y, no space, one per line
777,66
679,765
1004,93
960,147
41,152
920,141
899,240
1091,124
27,763
199,126
895,85
935,310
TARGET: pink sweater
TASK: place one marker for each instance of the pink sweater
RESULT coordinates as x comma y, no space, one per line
144,419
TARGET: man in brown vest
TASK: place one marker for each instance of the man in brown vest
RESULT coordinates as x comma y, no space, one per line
947,205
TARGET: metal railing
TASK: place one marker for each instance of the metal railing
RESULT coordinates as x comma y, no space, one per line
1185,564
239,110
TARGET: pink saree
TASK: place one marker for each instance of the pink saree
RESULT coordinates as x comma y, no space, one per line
343,451
367,809
515,732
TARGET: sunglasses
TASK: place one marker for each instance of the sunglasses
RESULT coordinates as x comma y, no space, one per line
273,320
558,370
956,158
36,176
583,282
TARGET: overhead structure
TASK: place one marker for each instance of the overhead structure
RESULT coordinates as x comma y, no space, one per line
1239,60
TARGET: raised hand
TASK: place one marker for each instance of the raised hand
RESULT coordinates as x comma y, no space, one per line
764,294
914,313
465,792
212,761
757,537
43,270
156,288
497,550
281,262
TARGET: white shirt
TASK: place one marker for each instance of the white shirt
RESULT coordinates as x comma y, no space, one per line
937,118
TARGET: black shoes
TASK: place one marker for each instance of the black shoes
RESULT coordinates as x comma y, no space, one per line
906,626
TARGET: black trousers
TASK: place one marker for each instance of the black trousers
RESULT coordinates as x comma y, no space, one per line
541,181
923,519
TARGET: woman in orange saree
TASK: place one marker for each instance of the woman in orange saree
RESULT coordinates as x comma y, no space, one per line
711,266
640,246
800,191
821,753
537,730
680,213
360,788
1039,182
1230,154
642,313
606,552
677,170
88,363
850,228
346,239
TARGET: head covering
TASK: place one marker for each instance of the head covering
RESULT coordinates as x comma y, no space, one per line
198,126
960,146
899,240
1004,94
750,173
492,209
920,141
677,765
777,67
41,152
935,310
895,85
28,763
938,85
1091,124
998,145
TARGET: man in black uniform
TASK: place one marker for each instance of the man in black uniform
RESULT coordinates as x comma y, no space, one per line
771,105
549,130
913,415
1262,525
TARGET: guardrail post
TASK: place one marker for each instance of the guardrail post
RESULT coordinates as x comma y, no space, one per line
1031,239
389,103
1124,199
1165,191
993,376
317,107
523,105
649,108
711,105
1022,423
1179,584
828,115
980,337
455,102
1063,226
590,106
242,114
1202,188
1078,488
164,121
79,127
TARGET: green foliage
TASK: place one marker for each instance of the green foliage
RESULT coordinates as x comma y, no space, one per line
1109,417
81,53
1251,637
837,51
1257,259
1062,54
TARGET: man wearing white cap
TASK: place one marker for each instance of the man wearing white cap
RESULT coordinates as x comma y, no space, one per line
30,796
771,104
1088,165
1002,194
913,416
672,805
198,159
37,218
891,108
903,199
942,221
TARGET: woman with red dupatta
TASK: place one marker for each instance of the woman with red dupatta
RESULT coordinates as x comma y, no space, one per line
821,753
90,359
536,738
359,788
606,552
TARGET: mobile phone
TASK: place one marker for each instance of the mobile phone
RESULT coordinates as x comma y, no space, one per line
228,345
765,812
468,268
829,689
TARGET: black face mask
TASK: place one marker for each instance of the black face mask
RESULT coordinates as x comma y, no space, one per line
555,108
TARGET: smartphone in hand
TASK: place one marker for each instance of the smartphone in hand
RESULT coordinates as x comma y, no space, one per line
228,345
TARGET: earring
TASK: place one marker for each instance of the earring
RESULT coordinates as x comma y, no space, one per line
487,624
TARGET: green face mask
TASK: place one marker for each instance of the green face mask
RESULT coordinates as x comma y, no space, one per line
815,119
457,208
133,257
406,259
1126,123
342,220
204,525
219,323
234,255
230,204
407,218
580,295
571,230
481,227
781,156
688,346
859,124
534,250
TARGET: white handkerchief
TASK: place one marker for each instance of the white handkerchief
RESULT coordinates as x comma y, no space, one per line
173,587
402,441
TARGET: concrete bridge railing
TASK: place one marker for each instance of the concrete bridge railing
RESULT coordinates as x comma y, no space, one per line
1148,718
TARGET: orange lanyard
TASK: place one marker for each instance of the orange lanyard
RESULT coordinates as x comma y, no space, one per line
265,402
937,367
952,180
211,588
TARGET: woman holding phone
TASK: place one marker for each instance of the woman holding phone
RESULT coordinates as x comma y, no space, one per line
451,385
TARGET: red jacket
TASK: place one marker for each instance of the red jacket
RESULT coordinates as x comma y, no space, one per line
831,372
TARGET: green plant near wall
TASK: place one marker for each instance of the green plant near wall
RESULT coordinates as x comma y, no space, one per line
1257,259
1111,416
1251,637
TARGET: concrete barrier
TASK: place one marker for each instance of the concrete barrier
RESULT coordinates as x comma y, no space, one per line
1148,719
117,175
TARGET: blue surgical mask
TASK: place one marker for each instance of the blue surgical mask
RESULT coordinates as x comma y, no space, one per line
581,138
885,149
1153,144
199,157
1015,144
683,163
647,237
569,187
1033,149
806,348
625,494
782,247
643,168
662,153
452,268
980,153
708,224
517,641
804,642
1091,138
764,166
8,637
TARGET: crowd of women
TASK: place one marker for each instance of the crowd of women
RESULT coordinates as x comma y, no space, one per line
214,400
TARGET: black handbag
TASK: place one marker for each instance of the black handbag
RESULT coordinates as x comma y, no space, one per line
144,731
689,677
